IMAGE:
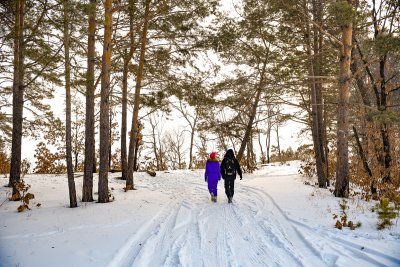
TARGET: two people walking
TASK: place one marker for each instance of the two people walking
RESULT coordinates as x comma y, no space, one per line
228,170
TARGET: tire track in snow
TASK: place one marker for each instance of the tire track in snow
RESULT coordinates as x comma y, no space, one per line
166,240
358,253
277,228
245,235
128,252
177,235
192,231
322,243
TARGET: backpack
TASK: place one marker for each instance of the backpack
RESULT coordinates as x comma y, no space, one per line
230,168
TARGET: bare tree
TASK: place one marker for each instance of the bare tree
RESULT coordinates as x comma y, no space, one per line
175,146
155,143
192,118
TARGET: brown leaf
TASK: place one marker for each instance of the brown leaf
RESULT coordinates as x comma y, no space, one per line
16,197
30,196
21,208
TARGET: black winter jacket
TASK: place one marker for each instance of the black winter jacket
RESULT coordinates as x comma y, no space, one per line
229,155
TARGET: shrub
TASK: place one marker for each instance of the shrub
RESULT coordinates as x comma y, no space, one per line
5,162
22,195
386,213
343,217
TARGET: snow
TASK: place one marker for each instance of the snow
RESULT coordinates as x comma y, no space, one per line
274,220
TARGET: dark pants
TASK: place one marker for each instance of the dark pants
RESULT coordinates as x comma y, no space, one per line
229,187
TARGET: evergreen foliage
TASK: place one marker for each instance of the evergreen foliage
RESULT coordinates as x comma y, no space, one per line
386,213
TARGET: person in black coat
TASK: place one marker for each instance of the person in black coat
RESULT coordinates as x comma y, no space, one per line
229,168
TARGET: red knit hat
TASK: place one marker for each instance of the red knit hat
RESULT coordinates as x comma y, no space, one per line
213,155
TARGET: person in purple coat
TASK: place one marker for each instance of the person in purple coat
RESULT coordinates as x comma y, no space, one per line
212,175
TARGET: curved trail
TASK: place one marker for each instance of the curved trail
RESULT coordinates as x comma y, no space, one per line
192,231
274,220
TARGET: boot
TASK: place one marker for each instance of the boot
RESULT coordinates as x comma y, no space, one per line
212,196
229,199
214,199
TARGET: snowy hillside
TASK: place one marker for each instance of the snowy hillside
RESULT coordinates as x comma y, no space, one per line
274,220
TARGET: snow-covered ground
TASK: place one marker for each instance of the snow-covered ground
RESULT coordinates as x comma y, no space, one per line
274,220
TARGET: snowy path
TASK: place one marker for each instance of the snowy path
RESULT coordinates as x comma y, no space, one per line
274,220
253,231
249,232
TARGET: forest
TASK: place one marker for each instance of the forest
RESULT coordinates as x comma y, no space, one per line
235,72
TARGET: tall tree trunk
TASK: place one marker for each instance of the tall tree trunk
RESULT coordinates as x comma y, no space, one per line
316,109
261,148
154,143
268,141
318,70
127,59
135,126
364,160
110,136
124,166
277,140
387,158
192,142
342,166
253,112
136,153
90,162
326,148
18,94
76,152
68,137
104,104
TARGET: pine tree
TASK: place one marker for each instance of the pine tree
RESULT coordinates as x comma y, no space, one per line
68,138
345,10
104,104
87,189
135,120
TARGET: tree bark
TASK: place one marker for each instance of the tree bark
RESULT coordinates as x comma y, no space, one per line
268,141
135,126
153,133
252,113
387,158
364,160
110,135
104,104
277,140
314,69
193,129
127,59
76,150
68,137
318,70
90,163
18,94
261,148
342,166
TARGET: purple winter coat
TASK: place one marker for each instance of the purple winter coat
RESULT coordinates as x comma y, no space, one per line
212,175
